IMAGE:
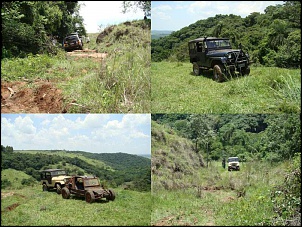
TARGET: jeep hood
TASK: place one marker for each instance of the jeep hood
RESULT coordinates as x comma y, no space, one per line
59,178
221,53
233,163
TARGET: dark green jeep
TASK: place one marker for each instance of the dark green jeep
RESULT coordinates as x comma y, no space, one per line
217,54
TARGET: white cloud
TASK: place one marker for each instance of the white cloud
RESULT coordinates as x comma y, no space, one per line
105,13
92,133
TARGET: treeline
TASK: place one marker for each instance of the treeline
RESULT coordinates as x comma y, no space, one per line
270,137
131,169
30,26
271,39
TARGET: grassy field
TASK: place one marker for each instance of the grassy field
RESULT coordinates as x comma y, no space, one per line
218,197
266,90
30,206
118,84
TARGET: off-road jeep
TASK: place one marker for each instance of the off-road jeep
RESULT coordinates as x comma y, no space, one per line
72,42
217,54
233,163
53,179
88,187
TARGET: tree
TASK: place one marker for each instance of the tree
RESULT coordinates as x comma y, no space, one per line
145,6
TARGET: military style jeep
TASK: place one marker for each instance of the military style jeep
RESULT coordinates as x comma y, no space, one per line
88,187
217,54
233,163
53,179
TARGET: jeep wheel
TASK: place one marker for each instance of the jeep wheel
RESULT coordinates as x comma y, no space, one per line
65,193
246,71
196,69
218,75
112,195
59,189
44,188
89,197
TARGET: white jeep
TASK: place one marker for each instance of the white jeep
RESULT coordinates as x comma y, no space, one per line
233,163
53,179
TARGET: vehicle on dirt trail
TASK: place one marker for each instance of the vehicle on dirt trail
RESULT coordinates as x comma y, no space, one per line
88,187
72,42
53,179
217,54
233,163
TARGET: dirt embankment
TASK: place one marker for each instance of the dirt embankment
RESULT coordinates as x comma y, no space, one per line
39,96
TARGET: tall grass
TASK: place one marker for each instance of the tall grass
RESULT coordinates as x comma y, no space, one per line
120,84
218,197
266,90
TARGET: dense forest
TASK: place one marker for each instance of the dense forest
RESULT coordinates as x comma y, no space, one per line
30,26
272,38
124,168
270,137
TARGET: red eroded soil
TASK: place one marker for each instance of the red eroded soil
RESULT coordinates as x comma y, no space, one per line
39,96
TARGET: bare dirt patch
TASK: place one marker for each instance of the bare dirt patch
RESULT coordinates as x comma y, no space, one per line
39,97
86,53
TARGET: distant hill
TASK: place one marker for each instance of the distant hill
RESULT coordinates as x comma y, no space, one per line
113,168
156,34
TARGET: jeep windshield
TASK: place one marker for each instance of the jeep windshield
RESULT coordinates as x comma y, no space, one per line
219,43
71,38
233,159
91,182
59,172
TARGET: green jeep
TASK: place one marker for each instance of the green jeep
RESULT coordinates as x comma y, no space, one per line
217,54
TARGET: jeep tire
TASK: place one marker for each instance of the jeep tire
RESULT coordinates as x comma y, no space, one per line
112,195
89,197
44,188
196,69
58,189
65,193
218,74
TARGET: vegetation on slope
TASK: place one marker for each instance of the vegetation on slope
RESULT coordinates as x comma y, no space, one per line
266,191
271,39
127,169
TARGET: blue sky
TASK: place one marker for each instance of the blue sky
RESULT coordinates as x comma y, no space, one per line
105,13
174,15
96,133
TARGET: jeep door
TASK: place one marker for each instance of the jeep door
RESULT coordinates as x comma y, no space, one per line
200,54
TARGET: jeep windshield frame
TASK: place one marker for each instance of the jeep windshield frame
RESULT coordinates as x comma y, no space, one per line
233,159
218,44
91,182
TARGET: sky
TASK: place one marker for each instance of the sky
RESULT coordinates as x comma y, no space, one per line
175,15
95,133
105,13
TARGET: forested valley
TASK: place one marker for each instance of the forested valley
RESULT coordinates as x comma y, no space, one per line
114,169
190,186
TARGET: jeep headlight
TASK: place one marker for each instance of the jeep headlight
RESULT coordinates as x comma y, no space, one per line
223,59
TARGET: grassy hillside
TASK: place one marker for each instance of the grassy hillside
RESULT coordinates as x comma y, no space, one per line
266,90
113,169
30,206
184,194
119,83
174,161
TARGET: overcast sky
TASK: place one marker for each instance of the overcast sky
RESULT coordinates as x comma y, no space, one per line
105,13
174,15
96,133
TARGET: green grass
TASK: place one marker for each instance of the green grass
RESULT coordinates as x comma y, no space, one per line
37,208
213,197
119,84
266,90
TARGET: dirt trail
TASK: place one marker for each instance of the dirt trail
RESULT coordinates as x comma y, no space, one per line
41,96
